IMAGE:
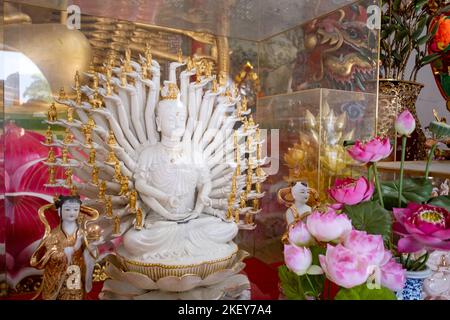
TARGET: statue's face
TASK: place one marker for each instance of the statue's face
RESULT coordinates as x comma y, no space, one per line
171,121
70,211
300,192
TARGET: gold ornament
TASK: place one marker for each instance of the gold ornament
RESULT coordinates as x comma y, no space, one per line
51,158
111,157
243,200
92,156
73,191
102,190
70,114
123,77
65,155
138,222
236,216
62,94
148,55
52,114
111,139
255,204
172,93
68,137
87,131
229,212
249,179
95,180
117,171
189,64
237,157
245,122
49,136
258,187
251,123
249,143
79,97
244,104
68,173
214,86
116,225
133,200
123,186
109,207
91,122
51,175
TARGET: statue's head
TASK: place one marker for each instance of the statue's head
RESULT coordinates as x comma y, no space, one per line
68,207
300,192
171,114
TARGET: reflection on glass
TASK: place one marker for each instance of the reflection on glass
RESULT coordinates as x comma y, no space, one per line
27,91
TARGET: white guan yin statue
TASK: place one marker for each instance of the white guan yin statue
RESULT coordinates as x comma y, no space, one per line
176,170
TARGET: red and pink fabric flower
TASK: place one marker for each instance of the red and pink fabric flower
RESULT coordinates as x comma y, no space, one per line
422,227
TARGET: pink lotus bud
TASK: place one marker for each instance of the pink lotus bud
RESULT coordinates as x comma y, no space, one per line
328,226
298,259
299,235
405,123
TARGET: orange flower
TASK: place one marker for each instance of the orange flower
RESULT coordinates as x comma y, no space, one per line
442,37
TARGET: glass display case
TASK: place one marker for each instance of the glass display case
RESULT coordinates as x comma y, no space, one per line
308,70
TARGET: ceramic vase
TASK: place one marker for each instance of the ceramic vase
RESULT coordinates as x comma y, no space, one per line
413,289
403,95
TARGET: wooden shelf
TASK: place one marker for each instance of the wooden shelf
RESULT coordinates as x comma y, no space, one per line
437,168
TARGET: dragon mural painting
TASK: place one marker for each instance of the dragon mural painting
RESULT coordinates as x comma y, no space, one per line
339,52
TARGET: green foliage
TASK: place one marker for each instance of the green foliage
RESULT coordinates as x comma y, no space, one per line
362,292
291,284
371,217
297,287
416,190
403,25
441,201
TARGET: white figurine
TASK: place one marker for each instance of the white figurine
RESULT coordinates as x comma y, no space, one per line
301,195
172,144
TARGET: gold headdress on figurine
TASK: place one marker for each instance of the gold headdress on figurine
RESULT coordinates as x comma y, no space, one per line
171,93
90,214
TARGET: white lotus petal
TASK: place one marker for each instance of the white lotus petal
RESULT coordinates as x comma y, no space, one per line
140,281
184,283
122,288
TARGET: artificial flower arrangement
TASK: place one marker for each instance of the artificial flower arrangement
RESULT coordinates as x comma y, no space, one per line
373,233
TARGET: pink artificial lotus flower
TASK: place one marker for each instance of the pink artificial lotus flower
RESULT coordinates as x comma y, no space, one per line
422,226
299,235
405,124
351,191
298,259
370,246
371,151
328,226
344,267
393,276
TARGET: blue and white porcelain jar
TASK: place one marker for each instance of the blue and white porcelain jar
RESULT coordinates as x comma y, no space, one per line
413,289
